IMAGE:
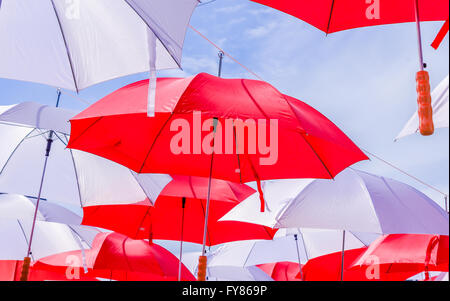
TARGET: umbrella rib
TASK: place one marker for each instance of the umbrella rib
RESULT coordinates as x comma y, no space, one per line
67,48
25,237
329,19
15,149
154,142
207,230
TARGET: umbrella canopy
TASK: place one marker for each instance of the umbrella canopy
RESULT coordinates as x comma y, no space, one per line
77,44
328,268
52,235
71,176
168,220
115,256
225,273
303,143
355,201
332,16
403,252
440,97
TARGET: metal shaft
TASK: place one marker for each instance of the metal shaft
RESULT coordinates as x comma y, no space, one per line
342,256
298,256
47,154
183,204
419,34
208,200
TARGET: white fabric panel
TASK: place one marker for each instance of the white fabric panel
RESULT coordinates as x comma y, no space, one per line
76,44
152,184
342,203
103,182
254,252
22,174
440,98
14,206
49,238
166,21
39,116
32,46
72,176
225,273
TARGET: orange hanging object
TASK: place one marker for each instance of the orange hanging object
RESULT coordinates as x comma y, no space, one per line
425,110
25,269
201,274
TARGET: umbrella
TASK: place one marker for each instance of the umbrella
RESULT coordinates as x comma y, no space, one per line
333,16
179,214
117,257
225,272
288,245
405,253
303,143
74,45
355,201
30,130
328,268
55,230
439,103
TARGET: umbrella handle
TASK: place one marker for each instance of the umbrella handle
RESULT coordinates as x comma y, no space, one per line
425,109
25,269
201,274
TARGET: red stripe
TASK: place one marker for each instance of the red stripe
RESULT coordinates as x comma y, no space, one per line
440,36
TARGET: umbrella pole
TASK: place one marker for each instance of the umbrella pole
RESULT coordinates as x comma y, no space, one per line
27,259
298,256
183,204
425,110
342,256
201,275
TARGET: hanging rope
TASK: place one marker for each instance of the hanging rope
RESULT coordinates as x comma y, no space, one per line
74,96
226,53
405,173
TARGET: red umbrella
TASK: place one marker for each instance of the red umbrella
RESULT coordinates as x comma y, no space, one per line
115,256
232,129
117,128
328,268
332,16
281,271
164,220
179,214
407,252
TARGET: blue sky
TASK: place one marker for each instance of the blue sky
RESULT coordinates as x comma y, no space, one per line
362,79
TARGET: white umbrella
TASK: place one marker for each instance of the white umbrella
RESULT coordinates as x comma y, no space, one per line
225,272
34,161
354,201
52,234
291,245
440,97
77,44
